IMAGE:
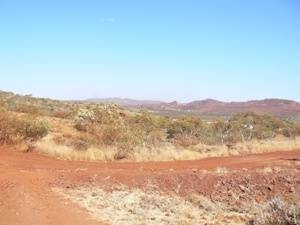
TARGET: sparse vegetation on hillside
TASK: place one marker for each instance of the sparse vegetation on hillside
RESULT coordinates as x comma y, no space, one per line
184,131
37,106
126,132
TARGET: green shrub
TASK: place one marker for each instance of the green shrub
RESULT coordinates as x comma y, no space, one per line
29,127
149,128
14,129
215,133
185,140
108,126
191,126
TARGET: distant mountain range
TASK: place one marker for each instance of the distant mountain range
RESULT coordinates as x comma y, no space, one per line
280,107
208,107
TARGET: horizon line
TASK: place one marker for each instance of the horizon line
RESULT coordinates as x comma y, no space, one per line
149,100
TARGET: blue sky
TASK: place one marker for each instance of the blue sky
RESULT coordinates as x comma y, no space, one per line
151,49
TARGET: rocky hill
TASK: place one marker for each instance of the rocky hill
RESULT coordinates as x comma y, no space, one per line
279,107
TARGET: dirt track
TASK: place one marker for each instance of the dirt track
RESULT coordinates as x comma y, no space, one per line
26,180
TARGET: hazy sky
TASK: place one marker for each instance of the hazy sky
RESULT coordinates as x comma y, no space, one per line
151,49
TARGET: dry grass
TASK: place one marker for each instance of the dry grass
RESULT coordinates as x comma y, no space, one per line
251,147
138,135
63,139
164,152
48,146
222,170
64,129
278,212
125,207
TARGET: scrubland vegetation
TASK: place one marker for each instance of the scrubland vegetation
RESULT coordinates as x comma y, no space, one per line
278,212
81,130
91,131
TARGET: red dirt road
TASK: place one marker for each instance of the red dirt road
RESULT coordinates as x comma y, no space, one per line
26,180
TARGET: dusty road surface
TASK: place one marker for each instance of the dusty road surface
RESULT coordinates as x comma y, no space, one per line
27,179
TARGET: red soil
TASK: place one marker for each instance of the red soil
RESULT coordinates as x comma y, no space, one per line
26,180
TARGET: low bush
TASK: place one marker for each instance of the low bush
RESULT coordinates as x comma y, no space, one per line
155,138
108,127
185,140
14,129
28,127
278,212
150,129
8,129
190,126
80,145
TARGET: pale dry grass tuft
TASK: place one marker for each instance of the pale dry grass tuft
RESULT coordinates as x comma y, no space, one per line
165,152
278,212
125,207
222,170
251,147
48,146
265,170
